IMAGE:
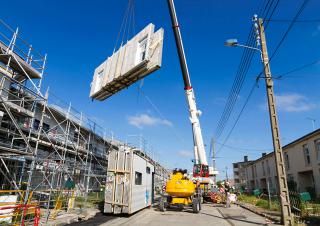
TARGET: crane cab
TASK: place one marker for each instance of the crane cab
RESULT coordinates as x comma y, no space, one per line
200,170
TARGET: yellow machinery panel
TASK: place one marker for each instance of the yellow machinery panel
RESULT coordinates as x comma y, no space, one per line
180,186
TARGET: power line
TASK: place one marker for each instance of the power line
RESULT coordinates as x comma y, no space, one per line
293,21
302,7
280,76
297,21
243,149
242,70
238,117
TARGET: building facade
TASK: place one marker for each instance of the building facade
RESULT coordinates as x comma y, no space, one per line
302,163
239,173
45,144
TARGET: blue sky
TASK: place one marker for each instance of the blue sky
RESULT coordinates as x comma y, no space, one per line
79,35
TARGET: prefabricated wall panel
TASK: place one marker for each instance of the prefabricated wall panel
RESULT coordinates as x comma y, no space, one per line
139,57
123,194
141,194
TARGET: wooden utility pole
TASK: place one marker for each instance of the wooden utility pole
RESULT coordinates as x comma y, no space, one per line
286,216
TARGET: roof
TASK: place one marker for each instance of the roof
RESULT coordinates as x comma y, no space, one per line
303,138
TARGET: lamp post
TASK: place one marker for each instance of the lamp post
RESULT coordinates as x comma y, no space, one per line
286,216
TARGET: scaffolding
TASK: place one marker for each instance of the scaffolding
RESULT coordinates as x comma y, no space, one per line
46,149
51,155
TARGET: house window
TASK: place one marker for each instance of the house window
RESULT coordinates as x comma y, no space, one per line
252,171
143,48
317,147
286,159
148,170
270,182
306,153
290,177
268,167
138,178
263,170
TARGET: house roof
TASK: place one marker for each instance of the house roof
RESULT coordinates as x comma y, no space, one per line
300,139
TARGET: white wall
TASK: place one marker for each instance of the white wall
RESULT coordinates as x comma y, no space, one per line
298,169
141,194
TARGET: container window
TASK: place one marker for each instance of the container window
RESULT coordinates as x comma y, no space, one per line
148,170
138,178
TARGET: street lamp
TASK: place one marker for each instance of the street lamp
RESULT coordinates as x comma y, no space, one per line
313,120
286,215
234,43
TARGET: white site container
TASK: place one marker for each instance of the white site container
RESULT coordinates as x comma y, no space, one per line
130,182
6,201
139,57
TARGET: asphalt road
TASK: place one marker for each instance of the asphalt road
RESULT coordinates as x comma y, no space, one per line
210,215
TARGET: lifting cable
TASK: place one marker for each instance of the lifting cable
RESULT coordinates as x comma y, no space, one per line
127,25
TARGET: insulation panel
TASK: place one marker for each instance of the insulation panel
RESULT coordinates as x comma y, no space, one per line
138,58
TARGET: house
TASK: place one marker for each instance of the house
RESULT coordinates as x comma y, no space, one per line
302,163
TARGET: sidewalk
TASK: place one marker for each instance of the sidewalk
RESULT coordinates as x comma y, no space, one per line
239,216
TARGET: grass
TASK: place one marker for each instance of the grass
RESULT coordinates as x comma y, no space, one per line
259,202
94,198
307,208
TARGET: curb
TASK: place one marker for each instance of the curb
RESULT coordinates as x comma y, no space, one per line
275,219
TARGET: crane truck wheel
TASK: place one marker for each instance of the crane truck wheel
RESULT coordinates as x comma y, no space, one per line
196,205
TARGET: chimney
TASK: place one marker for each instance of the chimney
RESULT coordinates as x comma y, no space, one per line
245,158
264,154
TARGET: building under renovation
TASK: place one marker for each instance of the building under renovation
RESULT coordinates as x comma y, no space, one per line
46,146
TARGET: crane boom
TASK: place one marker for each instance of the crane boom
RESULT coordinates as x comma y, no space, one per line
199,150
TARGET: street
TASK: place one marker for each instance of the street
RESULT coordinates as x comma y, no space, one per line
209,215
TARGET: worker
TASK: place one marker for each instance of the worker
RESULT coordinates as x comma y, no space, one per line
227,192
198,186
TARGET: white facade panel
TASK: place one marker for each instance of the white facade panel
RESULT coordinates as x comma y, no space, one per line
129,185
139,57
141,194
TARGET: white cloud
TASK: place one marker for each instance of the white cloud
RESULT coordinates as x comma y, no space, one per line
185,153
293,102
142,120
